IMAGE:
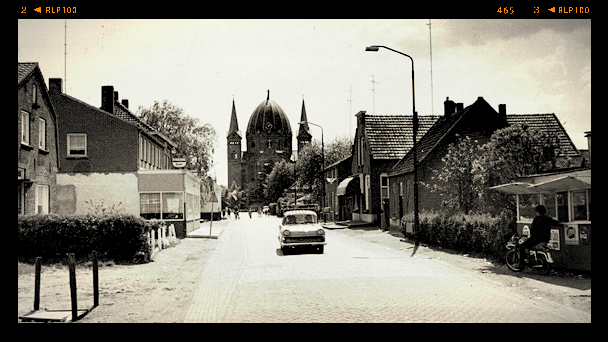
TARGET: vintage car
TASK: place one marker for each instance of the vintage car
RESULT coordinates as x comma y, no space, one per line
300,228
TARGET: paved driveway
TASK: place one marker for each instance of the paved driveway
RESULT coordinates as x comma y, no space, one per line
248,279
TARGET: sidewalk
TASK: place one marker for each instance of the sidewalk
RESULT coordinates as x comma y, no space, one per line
345,224
217,228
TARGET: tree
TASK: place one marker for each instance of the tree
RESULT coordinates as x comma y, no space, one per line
280,178
458,180
195,141
520,150
338,149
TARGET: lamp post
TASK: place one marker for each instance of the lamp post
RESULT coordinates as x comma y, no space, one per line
295,191
322,161
415,130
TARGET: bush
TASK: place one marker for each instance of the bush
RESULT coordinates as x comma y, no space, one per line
115,236
476,233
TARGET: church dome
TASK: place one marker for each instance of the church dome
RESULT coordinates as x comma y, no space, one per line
269,119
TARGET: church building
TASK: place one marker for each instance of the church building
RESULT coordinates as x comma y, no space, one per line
268,140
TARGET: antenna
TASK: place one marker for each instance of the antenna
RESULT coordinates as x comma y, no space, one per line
431,51
350,110
65,55
374,94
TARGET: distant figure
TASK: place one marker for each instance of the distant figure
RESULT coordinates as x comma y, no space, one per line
249,210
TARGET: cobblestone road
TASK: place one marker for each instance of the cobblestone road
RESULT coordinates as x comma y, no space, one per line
248,279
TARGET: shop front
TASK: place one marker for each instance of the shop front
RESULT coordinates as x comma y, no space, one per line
567,197
172,196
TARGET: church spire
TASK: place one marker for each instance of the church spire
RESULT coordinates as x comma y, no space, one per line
234,124
303,126
304,137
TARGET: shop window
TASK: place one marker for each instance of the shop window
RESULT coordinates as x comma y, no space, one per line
173,206
42,199
579,205
149,205
527,207
562,206
549,203
77,144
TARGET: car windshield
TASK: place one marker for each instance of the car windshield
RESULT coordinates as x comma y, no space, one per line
300,219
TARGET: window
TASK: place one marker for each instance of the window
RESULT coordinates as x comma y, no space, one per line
149,206
25,127
34,94
549,203
384,186
173,205
562,206
42,199
41,134
579,205
527,207
77,144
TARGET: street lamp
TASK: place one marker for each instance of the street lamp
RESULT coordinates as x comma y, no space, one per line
294,158
323,161
415,130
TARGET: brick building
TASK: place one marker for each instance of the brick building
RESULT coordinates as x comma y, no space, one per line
37,157
380,142
478,121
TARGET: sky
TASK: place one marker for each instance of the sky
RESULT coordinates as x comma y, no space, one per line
201,66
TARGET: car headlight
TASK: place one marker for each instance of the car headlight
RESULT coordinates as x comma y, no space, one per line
321,231
286,232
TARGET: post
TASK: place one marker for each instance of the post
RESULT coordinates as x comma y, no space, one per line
95,280
37,283
211,221
72,266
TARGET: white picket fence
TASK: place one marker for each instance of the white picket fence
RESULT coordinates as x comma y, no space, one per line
162,237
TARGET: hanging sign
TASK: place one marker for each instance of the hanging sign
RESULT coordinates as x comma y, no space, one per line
179,162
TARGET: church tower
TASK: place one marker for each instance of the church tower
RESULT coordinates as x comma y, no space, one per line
234,150
304,137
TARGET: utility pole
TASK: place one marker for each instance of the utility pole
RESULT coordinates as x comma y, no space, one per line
431,51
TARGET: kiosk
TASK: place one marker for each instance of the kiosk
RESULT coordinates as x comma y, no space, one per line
567,197
172,196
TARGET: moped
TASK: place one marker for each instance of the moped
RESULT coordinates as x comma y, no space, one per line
538,257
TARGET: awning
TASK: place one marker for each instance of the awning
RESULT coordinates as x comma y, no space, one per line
566,183
515,188
343,185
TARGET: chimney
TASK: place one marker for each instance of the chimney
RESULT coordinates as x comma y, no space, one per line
448,106
361,118
125,103
459,107
55,85
116,96
107,99
502,110
588,136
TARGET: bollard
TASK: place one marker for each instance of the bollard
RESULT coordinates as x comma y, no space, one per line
72,265
37,283
95,280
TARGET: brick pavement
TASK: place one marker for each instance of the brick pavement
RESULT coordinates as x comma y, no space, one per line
247,279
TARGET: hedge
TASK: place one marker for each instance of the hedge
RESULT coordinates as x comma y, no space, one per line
115,236
474,233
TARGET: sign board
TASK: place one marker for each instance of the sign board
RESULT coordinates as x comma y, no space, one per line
179,162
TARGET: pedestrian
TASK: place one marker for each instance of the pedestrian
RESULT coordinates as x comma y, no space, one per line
249,210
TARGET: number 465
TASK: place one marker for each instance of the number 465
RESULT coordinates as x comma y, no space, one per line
505,10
